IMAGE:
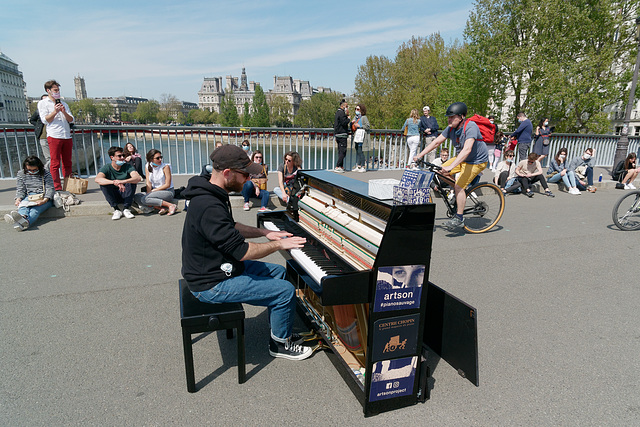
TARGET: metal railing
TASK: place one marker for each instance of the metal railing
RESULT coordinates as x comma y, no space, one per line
187,148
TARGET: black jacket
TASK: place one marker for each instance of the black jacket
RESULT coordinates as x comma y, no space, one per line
341,124
37,123
209,236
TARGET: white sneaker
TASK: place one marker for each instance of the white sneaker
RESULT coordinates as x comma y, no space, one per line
9,219
127,213
117,214
574,191
627,187
339,170
246,206
631,186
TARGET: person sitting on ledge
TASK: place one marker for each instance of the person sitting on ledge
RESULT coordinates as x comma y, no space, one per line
34,194
118,181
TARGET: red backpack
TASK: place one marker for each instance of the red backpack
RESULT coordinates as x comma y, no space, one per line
487,129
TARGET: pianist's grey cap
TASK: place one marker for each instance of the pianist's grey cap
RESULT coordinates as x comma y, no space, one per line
234,157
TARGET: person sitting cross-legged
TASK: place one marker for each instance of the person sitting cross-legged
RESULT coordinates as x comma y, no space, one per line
118,181
529,172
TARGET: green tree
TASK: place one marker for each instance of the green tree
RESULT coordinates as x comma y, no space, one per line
126,117
147,112
566,69
84,110
170,106
260,114
280,112
228,112
373,87
318,111
246,115
104,110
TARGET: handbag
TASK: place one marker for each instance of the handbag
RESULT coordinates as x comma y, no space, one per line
75,184
359,136
261,183
64,199
37,197
406,129
581,172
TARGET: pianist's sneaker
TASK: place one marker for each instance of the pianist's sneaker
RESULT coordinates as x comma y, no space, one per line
289,350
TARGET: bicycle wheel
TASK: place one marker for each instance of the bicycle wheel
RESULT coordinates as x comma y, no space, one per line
483,208
626,212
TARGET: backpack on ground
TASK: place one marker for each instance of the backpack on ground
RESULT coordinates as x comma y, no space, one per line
487,129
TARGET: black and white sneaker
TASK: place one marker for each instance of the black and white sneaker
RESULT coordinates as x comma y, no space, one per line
289,350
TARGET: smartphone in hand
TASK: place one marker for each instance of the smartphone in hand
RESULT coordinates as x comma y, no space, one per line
57,101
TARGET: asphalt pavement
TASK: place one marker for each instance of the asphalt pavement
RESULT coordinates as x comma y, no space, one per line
91,329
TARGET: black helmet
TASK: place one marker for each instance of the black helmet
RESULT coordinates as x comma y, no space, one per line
456,108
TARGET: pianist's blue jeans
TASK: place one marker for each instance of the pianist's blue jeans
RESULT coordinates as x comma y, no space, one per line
262,284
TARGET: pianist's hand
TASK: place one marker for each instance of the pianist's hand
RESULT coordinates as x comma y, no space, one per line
292,242
277,235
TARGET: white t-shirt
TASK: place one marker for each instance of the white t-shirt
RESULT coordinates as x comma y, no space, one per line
156,177
59,127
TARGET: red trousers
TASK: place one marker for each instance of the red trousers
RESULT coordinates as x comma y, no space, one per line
60,149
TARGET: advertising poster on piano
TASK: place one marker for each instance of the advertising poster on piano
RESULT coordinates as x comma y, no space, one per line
399,287
393,378
395,337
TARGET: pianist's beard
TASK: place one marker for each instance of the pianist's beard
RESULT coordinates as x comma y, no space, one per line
233,183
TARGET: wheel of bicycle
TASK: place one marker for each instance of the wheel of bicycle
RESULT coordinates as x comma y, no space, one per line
626,212
483,208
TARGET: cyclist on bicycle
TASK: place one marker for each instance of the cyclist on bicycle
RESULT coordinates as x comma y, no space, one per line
472,155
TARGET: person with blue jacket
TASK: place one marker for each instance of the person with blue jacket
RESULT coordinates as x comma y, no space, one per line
429,130
523,135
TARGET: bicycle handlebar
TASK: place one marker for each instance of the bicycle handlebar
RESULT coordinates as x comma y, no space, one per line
429,165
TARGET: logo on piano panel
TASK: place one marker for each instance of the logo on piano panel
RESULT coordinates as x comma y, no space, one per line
393,378
399,287
395,337
394,344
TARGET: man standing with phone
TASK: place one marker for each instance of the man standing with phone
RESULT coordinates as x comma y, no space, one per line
56,116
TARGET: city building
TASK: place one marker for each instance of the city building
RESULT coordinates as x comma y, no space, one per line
81,90
13,94
122,104
294,91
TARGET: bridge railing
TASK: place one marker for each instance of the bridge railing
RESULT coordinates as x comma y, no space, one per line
187,148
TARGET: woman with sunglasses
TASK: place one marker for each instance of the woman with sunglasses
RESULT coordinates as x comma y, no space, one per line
34,194
159,190
558,171
256,186
287,173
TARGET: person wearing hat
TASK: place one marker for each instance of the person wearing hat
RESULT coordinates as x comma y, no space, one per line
471,159
428,130
220,266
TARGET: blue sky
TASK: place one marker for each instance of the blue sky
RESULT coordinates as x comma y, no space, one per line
147,48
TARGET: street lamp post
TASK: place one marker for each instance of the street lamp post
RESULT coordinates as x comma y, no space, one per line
623,143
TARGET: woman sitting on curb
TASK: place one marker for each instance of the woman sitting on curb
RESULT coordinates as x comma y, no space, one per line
626,171
287,173
529,172
34,194
558,171
505,171
159,190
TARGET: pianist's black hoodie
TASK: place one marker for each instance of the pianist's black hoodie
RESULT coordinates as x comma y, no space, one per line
209,236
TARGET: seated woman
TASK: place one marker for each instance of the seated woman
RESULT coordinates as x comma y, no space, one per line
558,171
159,191
257,185
529,172
626,171
132,157
286,175
34,193
505,171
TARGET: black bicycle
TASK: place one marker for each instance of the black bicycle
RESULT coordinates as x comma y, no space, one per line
484,206
626,211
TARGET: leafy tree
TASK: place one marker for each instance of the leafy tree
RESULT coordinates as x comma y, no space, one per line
171,106
373,87
280,112
228,112
147,112
104,110
126,117
566,69
246,115
260,114
318,111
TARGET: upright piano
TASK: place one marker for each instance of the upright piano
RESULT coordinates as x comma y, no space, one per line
362,283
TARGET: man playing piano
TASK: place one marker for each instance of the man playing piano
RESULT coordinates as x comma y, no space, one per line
219,264
471,159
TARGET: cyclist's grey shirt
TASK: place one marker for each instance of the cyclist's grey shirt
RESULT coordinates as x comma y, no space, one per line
479,153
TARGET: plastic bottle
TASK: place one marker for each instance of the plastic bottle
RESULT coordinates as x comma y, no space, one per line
600,179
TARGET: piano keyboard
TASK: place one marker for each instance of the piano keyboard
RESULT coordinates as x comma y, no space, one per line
313,257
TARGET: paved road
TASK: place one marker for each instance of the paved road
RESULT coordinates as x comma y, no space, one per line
91,335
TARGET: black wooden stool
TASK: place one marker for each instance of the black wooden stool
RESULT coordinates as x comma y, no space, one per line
197,317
